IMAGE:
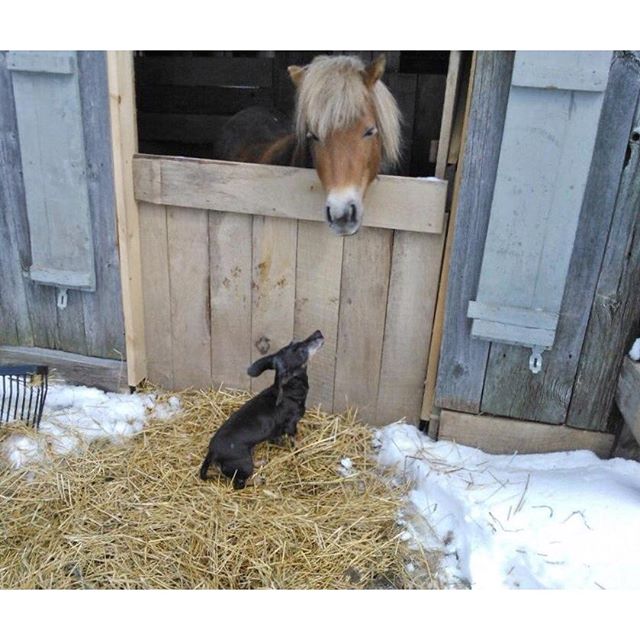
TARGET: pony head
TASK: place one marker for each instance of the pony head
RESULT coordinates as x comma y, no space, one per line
351,123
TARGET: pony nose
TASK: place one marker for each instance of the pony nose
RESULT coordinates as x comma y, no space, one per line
347,213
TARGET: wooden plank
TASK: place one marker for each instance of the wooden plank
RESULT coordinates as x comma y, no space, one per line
510,389
463,359
209,72
426,129
230,238
446,124
70,323
363,301
507,436
178,127
427,412
628,395
318,275
413,288
154,245
110,375
124,140
188,238
274,289
15,324
615,314
103,316
392,202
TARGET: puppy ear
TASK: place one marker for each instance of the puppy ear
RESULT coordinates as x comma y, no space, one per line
260,365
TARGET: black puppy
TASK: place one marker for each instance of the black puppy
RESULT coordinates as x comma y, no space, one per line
270,415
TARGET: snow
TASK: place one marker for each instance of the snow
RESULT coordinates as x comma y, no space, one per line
634,354
75,416
558,520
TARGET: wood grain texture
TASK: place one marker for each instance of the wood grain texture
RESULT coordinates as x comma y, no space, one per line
463,360
124,140
15,323
188,238
427,412
615,314
506,436
318,274
510,388
413,288
391,202
448,108
274,289
156,289
109,375
230,237
363,300
628,395
103,315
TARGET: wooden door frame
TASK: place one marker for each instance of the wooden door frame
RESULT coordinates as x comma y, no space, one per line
124,143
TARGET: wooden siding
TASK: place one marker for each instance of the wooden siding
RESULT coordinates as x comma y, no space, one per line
92,323
223,285
598,313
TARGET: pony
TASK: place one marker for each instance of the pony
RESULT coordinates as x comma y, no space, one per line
346,124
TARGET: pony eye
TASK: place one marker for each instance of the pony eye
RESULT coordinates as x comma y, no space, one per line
370,132
312,136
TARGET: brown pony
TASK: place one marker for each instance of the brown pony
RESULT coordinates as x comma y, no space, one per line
347,126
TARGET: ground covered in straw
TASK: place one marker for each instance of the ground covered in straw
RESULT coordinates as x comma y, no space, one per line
137,515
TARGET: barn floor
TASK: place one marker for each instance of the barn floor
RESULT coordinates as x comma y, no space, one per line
136,516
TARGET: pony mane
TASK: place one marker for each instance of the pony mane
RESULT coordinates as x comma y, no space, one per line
332,95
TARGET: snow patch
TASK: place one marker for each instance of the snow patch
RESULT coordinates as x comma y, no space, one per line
555,520
75,416
634,354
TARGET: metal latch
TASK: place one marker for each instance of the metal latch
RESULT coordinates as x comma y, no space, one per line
535,359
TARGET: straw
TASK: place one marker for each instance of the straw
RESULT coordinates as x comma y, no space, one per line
137,515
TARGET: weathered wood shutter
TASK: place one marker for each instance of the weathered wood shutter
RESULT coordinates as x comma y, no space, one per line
551,123
47,97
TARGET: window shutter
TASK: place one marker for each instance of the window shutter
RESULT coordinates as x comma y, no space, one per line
47,100
549,134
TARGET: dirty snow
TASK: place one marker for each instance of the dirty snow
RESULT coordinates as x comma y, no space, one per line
75,416
558,520
634,353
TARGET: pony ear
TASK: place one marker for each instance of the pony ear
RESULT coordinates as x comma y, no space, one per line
260,365
296,74
374,71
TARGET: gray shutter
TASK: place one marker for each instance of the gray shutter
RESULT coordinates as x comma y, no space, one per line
47,97
549,134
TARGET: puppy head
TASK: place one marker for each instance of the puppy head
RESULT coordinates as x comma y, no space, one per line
289,361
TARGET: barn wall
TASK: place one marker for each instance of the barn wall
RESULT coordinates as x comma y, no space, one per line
599,312
92,323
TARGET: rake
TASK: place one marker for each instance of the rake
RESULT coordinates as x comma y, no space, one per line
23,390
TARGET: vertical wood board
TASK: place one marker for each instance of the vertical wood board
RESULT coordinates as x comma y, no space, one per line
230,236
154,244
318,273
188,238
273,289
363,302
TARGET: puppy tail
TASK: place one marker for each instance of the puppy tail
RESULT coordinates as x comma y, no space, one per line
205,466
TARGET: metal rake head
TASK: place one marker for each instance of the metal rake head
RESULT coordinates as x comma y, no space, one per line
23,390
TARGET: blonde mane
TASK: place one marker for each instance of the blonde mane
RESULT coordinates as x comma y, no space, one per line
332,95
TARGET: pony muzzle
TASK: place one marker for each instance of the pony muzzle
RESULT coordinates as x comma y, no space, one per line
344,213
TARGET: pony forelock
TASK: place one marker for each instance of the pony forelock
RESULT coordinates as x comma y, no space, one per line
333,95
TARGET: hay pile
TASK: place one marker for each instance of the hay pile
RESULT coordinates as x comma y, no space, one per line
137,516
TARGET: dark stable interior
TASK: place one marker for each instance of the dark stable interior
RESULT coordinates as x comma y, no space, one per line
184,97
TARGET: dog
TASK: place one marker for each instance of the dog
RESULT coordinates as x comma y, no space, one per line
271,415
